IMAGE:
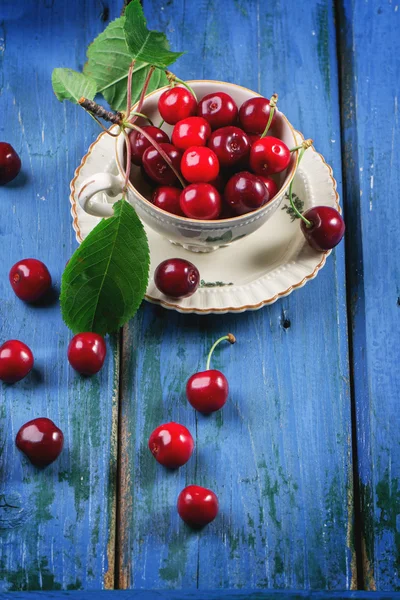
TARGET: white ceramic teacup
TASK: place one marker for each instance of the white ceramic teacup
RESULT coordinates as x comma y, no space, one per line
195,235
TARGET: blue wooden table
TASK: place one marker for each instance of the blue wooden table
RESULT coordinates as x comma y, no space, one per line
305,457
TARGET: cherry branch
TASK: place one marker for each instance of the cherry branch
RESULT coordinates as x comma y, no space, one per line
100,111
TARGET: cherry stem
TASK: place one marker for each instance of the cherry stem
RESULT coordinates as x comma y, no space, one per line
161,123
230,338
114,135
139,114
272,105
128,160
142,95
157,146
172,78
129,88
100,111
296,148
306,144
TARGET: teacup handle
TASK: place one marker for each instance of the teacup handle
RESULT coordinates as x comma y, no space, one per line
100,182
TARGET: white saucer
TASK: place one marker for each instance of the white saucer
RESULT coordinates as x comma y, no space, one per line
246,275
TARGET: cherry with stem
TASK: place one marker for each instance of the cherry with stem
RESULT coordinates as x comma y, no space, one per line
322,226
207,391
157,146
272,105
172,78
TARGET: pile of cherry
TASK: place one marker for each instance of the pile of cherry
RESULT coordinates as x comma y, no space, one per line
218,149
171,444
227,158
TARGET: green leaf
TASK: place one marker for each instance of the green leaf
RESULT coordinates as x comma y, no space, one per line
70,85
145,45
106,279
108,63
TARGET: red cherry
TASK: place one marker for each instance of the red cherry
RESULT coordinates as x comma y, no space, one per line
177,278
156,167
16,361
86,353
254,115
269,155
219,109
41,441
201,201
207,391
230,144
10,163
176,104
171,445
271,185
327,227
197,506
167,198
139,143
199,165
245,192
30,279
193,131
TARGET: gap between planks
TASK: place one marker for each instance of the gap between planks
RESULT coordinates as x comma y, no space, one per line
345,70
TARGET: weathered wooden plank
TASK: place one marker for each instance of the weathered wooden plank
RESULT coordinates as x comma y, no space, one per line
279,454
56,525
201,595
371,134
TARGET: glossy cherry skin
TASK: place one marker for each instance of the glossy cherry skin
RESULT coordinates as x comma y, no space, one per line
199,165
254,115
245,192
193,131
176,104
230,144
201,201
271,185
171,445
269,155
219,109
197,506
16,361
87,352
41,441
177,278
167,198
156,167
139,143
10,163
30,279
207,391
327,227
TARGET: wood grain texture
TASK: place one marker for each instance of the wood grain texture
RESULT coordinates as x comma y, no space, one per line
56,525
200,595
279,454
371,136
